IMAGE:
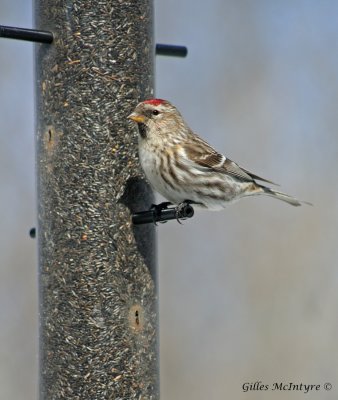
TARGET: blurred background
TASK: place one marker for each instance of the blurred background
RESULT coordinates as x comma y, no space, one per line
248,294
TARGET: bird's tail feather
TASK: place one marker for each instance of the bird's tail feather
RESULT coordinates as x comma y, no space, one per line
280,196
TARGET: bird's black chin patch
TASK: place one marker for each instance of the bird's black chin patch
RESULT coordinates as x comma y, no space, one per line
142,130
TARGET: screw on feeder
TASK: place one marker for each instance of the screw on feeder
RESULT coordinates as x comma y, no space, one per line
163,214
31,35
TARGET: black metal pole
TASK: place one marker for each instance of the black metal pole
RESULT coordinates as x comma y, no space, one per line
98,301
171,50
163,215
31,35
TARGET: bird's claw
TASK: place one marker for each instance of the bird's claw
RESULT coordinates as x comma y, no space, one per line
162,212
180,207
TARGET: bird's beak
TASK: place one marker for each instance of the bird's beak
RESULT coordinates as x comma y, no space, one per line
136,117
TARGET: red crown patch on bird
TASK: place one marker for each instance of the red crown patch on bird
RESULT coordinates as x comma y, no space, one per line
154,102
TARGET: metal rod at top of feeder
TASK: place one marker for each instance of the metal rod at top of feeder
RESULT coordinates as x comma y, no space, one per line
32,35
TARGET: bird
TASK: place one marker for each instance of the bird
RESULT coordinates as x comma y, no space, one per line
185,169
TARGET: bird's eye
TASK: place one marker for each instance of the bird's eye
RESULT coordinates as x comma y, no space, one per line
155,112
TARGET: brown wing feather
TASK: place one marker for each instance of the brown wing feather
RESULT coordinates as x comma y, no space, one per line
258,178
205,156
211,160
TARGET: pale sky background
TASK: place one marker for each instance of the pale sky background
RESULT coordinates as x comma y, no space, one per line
246,294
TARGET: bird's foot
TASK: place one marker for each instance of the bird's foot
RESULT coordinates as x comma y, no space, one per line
185,209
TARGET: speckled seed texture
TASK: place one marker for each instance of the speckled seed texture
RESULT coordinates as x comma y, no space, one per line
98,334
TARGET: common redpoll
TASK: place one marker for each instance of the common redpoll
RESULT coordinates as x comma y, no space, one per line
183,168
